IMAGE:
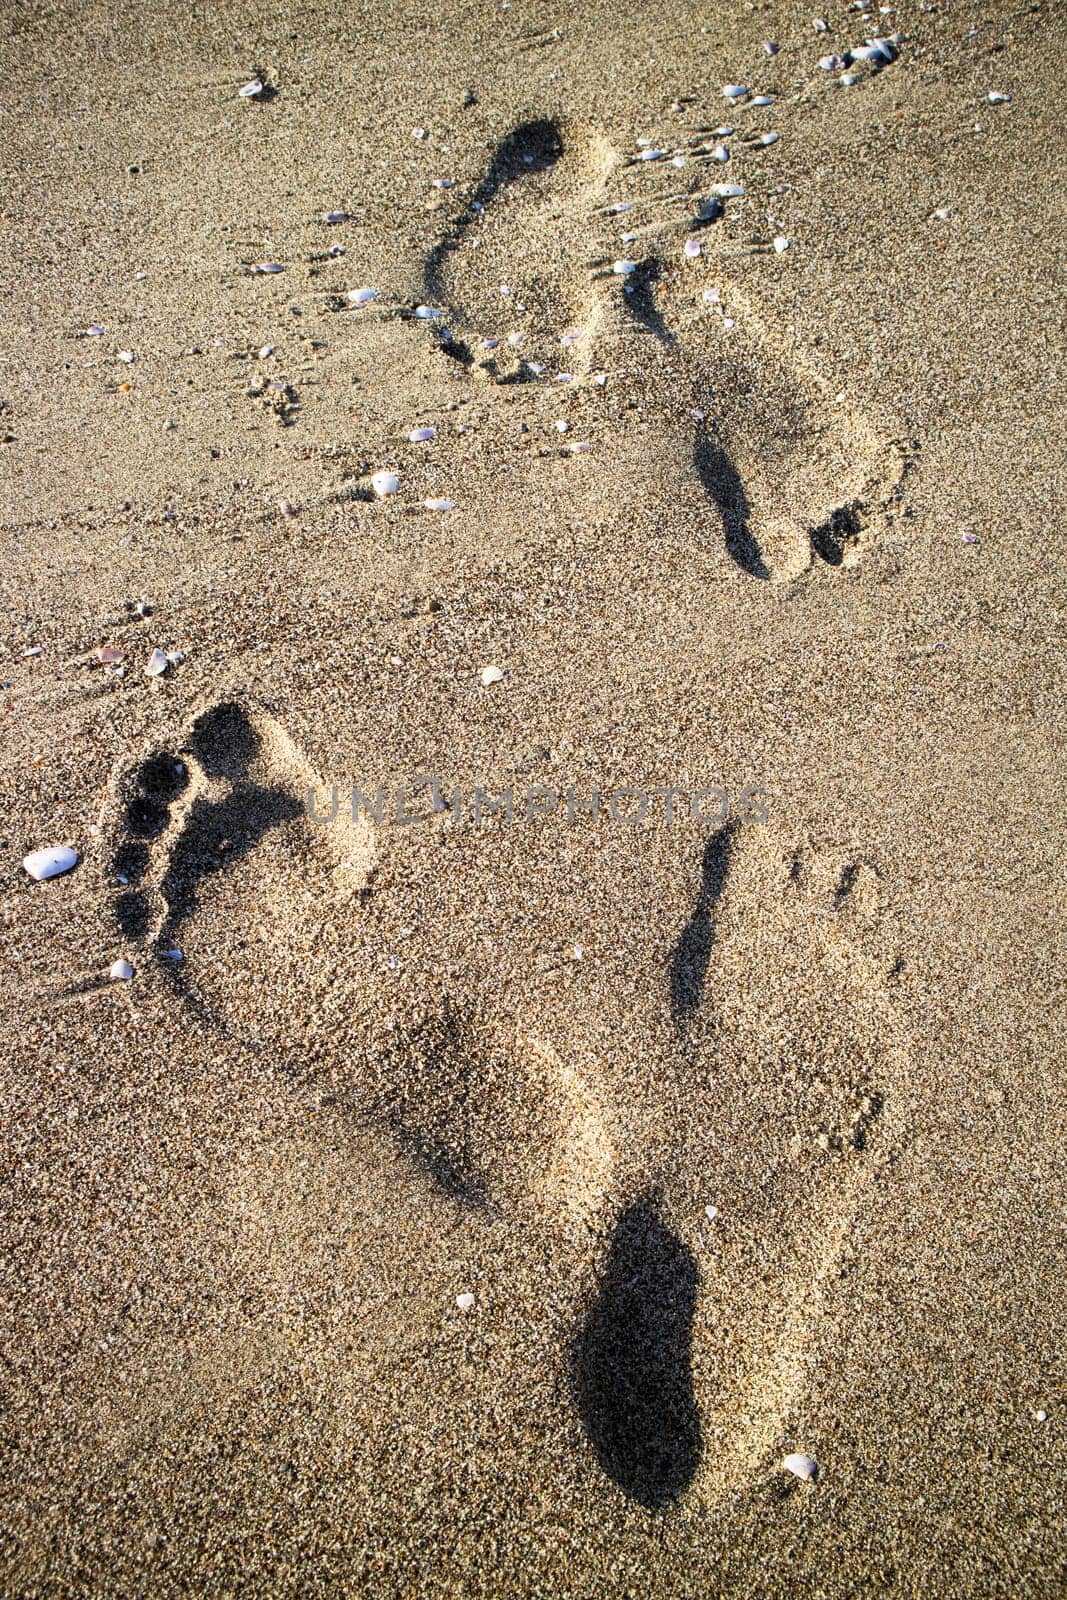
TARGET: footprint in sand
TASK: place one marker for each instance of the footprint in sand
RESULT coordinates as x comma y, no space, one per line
221,817
797,475
698,1342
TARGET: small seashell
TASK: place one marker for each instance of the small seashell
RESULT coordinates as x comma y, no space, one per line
831,63
770,47
465,1302
710,210
33,650
174,954
562,426
623,205
127,356
120,970
109,654
335,216
763,100
418,133
419,435
944,214
711,1212
734,91
728,191
286,506
651,155
781,243
801,1466
95,331
427,313
384,483
996,98
691,248
439,505
258,267
564,377
820,25
848,79
249,91
580,448
720,153
50,862
769,138
158,662
623,269
491,675
711,297
569,338
362,297
265,351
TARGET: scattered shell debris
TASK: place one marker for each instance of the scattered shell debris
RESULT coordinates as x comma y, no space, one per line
50,862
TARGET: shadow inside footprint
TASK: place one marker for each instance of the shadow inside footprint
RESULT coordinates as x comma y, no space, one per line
689,959
217,835
639,294
722,483
631,1365
533,146
840,530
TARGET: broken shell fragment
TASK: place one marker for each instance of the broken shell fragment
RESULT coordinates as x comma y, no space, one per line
249,91
623,269
491,675
427,313
439,505
465,1302
361,297
259,267
801,1466
51,862
419,435
120,970
158,662
384,483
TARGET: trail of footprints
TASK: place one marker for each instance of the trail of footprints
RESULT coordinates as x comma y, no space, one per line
782,951
796,474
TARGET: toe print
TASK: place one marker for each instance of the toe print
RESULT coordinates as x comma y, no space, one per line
631,1371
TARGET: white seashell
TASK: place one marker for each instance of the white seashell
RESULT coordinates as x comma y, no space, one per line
691,248
723,131
848,79
728,191
465,1302
120,970
491,675
427,313
769,138
711,1212
33,650
361,297
781,243
996,98
418,435
720,153
439,505
944,214
734,91
158,662
335,216
384,483
623,269
801,1466
677,161
819,25
258,267
831,63
763,100
564,377
770,48
651,155
580,448
95,331
569,338
248,91
127,356
265,351
418,133
562,427
51,862
711,297
623,205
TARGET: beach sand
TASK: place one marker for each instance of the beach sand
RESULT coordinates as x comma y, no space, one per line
812,550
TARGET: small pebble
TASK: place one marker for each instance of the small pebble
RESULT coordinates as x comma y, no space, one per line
51,862
996,98
427,313
335,216
770,47
711,1212
763,100
720,153
623,269
258,267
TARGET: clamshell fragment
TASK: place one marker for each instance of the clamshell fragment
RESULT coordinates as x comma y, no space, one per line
51,862
801,1466
361,297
